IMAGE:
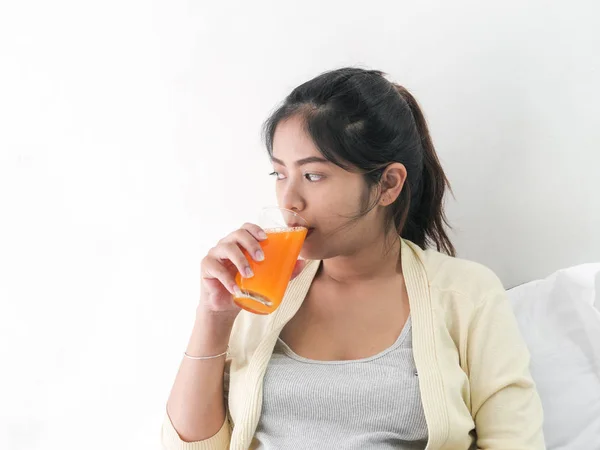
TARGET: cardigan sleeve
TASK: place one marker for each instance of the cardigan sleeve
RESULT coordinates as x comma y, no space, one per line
505,404
171,440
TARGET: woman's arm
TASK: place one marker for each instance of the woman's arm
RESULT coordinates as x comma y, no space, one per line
196,405
504,401
196,417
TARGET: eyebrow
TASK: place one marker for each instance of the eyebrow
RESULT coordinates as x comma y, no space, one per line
303,161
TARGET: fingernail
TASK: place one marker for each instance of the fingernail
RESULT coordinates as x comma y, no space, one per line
262,235
259,255
237,291
249,273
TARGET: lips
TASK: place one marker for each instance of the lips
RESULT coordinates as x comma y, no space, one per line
299,225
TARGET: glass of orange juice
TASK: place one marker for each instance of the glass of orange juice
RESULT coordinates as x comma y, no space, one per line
286,231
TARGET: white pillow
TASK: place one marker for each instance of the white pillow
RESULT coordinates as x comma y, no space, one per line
561,325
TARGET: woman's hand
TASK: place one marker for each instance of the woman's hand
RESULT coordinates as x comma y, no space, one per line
221,265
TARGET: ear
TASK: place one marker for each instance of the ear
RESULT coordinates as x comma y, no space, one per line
392,181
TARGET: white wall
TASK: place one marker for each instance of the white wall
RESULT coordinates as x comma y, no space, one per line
129,143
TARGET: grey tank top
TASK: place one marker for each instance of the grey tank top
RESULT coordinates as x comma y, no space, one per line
369,403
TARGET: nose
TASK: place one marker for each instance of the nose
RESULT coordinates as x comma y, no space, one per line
291,198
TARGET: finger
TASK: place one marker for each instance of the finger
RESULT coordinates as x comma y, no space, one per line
298,268
256,231
230,251
249,243
214,270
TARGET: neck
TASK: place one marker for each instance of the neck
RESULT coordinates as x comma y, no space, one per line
375,261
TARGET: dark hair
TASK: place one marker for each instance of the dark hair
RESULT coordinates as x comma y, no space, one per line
359,120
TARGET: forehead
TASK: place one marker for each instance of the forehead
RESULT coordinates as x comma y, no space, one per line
291,142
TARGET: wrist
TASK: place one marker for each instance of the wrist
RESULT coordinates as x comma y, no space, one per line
215,319
210,334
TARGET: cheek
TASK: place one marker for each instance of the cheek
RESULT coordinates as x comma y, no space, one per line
337,207
343,199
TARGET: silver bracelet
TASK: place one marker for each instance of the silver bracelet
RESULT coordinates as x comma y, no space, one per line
205,357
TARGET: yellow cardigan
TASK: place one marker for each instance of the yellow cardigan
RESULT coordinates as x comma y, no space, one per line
472,362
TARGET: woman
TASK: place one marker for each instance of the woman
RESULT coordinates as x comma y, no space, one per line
381,341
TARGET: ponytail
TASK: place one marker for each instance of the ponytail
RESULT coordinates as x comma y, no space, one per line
424,220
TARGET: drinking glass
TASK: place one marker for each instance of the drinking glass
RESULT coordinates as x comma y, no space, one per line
286,231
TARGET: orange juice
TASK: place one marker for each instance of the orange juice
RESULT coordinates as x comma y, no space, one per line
264,291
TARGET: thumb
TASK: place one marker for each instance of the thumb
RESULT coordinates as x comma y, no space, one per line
298,268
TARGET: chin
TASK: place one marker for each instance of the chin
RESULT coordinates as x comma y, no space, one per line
307,254
313,252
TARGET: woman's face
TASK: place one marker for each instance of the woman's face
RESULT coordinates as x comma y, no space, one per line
324,194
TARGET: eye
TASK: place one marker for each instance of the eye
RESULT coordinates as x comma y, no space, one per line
277,175
313,177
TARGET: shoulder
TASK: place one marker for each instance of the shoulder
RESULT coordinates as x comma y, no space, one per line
462,277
